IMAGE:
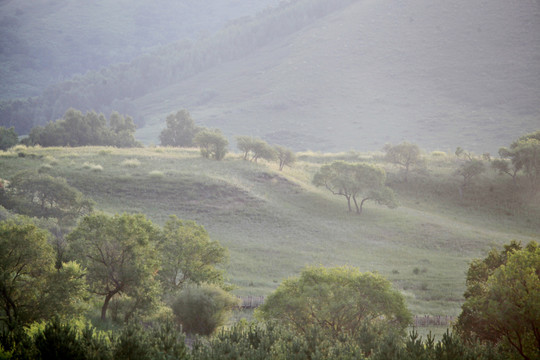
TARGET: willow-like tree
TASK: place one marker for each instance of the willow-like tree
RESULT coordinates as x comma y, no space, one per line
189,255
404,155
31,289
503,300
356,182
119,253
340,301
285,156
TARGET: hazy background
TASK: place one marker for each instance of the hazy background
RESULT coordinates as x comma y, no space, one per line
309,74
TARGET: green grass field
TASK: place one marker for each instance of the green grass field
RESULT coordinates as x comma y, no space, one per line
275,223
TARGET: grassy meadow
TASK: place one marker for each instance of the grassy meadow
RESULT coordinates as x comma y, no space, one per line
275,223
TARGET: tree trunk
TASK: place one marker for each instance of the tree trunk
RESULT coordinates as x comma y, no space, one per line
362,205
106,305
356,205
348,202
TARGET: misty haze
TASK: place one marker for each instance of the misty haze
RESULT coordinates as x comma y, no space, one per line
270,179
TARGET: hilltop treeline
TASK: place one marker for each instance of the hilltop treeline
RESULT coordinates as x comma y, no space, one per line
114,87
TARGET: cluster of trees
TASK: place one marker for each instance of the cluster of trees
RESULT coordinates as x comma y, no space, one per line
132,265
254,149
523,156
76,129
337,313
181,131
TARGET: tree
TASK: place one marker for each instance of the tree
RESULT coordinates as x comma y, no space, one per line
524,155
180,130
285,156
119,253
340,301
34,194
470,169
202,309
404,154
8,138
503,300
31,288
254,148
25,260
245,144
189,256
356,182
122,131
212,143
504,166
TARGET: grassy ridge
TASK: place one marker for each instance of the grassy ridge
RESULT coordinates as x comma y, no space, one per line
276,223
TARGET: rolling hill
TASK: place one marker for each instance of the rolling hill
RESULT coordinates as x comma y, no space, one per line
276,223
309,74
441,74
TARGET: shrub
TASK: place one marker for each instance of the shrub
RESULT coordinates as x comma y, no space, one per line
156,174
201,310
132,163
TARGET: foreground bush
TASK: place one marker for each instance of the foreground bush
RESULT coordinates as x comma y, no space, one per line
201,310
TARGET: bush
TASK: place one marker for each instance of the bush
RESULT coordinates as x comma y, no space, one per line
201,310
132,163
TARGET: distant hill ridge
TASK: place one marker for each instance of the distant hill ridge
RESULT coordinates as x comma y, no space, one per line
338,75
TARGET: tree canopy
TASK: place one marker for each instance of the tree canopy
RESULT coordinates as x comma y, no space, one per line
76,129
503,300
119,253
180,130
357,182
8,138
212,143
340,301
42,195
404,154
188,255
31,289
524,154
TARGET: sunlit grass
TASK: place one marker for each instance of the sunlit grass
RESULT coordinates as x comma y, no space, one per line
275,223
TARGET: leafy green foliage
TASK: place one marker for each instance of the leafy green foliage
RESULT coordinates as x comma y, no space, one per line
41,195
31,288
355,182
503,299
120,255
202,309
188,255
8,138
212,143
524,155
339,301
469,170
180,130
405,155
254,148
25,260
285,156
76,129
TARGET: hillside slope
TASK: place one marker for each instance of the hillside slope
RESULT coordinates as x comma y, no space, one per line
275,223
44,41
442,74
